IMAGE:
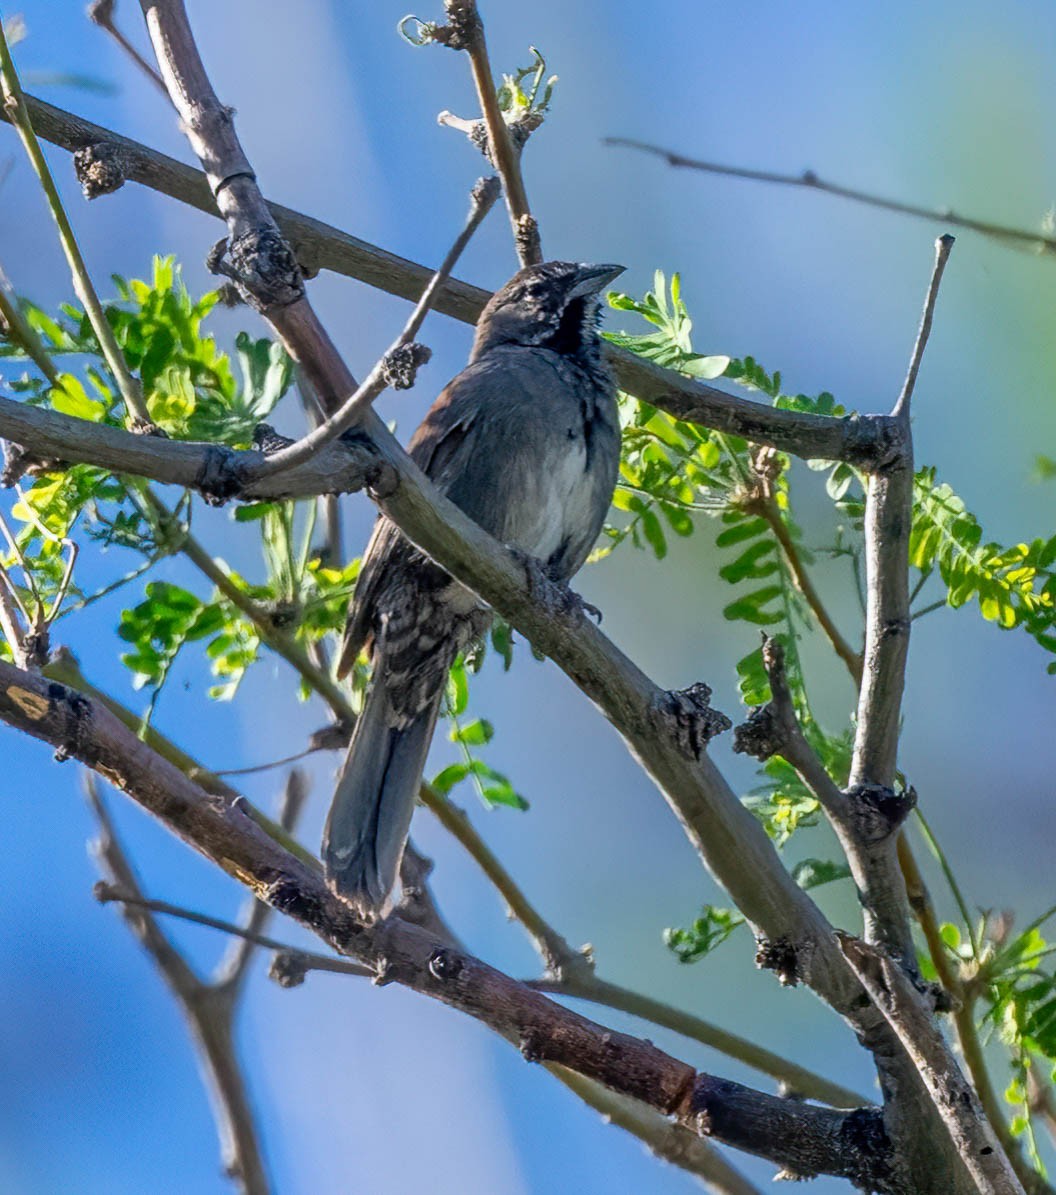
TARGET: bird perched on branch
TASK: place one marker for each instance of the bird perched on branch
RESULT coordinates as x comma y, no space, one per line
526,441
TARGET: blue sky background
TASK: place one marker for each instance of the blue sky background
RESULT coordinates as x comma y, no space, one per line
378,1090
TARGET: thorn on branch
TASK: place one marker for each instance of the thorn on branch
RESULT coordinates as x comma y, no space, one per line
400,365
101,169
686,715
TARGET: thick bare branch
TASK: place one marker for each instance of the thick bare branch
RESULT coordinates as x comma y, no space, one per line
399,952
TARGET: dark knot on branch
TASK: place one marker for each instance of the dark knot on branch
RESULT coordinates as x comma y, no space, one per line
101,168
220,476
876,812
400,366
686,715
780,955
263,267
760,735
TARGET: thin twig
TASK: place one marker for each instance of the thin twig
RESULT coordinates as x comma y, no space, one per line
18,330
231,972
482,199
468,28
570,972
1021,238
18,112
668,1141
101,13
126,896
943,246
208,1010
851,658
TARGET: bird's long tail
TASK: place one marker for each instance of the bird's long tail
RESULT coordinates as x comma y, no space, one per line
371,812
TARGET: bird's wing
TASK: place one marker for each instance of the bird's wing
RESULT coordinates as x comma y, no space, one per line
487,441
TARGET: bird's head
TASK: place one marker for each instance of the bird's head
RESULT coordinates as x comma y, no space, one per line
553,305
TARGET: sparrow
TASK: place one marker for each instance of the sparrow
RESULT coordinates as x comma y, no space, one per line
526,441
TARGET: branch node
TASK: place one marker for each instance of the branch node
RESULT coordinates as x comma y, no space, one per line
760,735
686,715
445,965
220,476
288,968
18,461
877,812
780,955
400,365
101,168
263,267
531,1045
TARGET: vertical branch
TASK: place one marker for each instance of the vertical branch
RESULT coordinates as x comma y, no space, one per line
466,32
888,521
15,105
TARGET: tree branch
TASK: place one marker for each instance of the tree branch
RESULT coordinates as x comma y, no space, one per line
570,972
1022,238
866,440
399,952
465,31
209,1010
955,1099
867,820
17,112
888,521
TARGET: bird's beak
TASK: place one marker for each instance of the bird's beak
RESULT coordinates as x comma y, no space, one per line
593,279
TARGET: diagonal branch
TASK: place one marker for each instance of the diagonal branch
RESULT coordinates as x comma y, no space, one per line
957,1102
17,111
816,1140
863,440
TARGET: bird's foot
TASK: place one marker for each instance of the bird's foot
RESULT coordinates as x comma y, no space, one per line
556,598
